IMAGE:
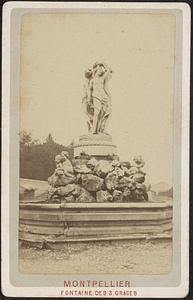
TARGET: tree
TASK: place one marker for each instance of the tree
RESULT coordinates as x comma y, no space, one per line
26,139
49,139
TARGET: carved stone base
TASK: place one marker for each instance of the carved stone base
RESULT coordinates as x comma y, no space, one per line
99,145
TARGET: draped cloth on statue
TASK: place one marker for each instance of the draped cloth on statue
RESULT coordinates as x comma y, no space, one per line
97,100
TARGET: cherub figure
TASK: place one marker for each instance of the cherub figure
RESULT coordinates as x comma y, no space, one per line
58,161
66,164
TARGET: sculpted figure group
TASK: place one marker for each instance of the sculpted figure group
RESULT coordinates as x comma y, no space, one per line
97,181
97,100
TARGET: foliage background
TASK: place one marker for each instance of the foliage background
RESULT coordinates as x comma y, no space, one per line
37,159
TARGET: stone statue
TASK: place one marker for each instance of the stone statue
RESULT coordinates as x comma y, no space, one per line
97,100
64,172
66,164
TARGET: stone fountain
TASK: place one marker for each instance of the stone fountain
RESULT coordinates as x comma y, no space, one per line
96,174
94,197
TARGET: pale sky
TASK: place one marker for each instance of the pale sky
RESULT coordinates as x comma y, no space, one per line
55,51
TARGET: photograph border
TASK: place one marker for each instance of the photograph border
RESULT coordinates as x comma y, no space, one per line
11,290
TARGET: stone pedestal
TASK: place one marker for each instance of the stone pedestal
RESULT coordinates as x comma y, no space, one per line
97,145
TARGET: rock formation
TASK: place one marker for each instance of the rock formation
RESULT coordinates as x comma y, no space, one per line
97,181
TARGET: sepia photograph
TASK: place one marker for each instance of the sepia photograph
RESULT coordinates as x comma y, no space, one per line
96,147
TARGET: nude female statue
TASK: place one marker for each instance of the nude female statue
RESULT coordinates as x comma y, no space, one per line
97,100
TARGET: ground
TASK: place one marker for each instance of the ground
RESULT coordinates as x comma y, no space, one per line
131,257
